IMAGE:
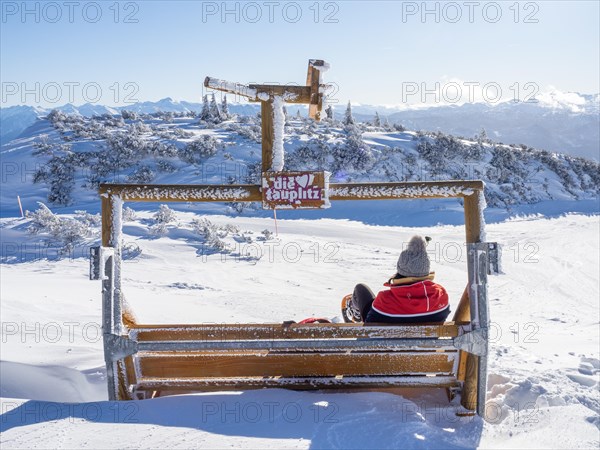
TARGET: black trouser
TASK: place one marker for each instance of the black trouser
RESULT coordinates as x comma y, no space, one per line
362,299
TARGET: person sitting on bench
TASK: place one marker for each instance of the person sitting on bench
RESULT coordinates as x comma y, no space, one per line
412,295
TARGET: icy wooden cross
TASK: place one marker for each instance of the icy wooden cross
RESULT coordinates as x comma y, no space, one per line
272,98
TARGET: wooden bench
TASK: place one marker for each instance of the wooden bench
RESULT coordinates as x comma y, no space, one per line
148,360
176,358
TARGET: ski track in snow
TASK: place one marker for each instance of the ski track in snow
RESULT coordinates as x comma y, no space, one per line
544,366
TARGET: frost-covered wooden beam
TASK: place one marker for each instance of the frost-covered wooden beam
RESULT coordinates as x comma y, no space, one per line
296,383
297,364
470,190
224,332
261,92
230,87
183,192
251,192
289,93
406,190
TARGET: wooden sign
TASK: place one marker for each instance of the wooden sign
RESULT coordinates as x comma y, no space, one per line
295,190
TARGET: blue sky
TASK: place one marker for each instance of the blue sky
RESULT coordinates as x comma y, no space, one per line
379,51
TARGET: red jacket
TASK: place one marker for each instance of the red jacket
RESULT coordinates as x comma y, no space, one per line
411,300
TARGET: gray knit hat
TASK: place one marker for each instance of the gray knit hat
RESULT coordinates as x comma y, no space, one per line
414,261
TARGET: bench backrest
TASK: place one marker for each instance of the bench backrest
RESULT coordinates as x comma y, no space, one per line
302,356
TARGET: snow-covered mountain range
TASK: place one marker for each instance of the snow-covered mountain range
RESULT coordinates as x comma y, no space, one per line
560,122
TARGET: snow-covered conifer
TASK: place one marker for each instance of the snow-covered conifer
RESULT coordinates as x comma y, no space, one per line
329,112
215,115
348,119
205,113
377,120
225,108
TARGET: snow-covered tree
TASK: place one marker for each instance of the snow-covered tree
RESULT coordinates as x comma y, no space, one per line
199,149
329,112
348,119
167,116
355,154
128,214
141,175
205,113
482,137
164,215
376,120
56,117
125,148
215,115
59,175
129,115
213,234
65,231
386,125
225,108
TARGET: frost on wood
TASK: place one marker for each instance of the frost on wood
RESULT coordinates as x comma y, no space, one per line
289,96
189,193
117,221
399,191
278,130
234,88
105,254
327,191
116,239
482,206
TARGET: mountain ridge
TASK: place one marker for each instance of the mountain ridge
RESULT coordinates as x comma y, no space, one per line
561,122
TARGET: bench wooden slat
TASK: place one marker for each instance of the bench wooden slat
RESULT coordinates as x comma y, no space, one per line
299,383
299,365
295,331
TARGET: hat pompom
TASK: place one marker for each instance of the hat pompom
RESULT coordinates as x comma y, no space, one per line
417,245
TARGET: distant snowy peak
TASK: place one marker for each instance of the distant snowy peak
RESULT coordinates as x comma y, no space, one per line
166,104
18,118
90,110
570,101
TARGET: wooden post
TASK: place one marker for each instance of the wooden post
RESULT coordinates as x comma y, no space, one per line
473,234
266,115
313,80
463,312
473,217
106,219
468,398
123,379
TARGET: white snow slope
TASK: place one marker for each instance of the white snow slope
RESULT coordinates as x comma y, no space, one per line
543,385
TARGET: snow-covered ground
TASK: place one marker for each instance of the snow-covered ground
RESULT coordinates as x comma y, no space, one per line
544,369
206,267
